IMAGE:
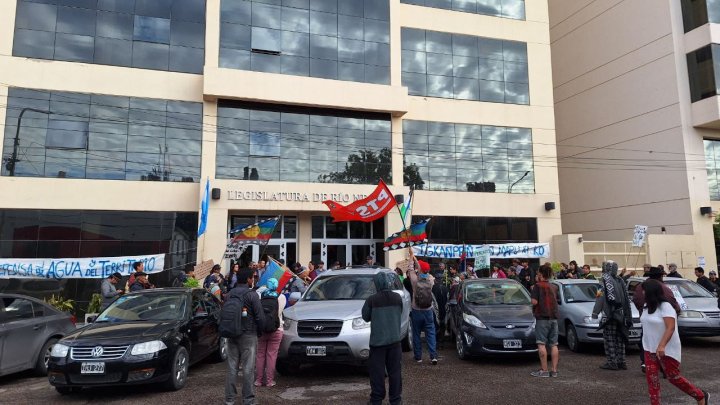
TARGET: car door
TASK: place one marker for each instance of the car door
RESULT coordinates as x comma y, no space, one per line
199,325
21,334
560,299
212,333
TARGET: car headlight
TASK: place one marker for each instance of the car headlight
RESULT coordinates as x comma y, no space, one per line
150,347
588,320
59,350
287,323
472,320
359,323
691,314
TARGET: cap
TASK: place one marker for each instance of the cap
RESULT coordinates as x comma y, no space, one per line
424,266
116,275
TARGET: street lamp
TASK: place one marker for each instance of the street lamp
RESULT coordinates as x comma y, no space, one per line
10,165
518,181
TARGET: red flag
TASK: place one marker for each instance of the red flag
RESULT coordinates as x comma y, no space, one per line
374,206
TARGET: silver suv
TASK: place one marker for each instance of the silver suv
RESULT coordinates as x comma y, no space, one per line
326,325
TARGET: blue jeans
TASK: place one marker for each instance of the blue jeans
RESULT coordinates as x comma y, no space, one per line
423,320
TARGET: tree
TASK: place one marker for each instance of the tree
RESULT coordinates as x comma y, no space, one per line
368,167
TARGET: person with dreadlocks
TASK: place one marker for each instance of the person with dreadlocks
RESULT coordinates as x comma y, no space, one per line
613,302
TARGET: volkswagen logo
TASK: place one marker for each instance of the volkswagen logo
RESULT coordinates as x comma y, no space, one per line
318,328
97,351
509,326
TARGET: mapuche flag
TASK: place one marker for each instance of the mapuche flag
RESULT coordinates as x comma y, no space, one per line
416,235
277,271
256,234
374,206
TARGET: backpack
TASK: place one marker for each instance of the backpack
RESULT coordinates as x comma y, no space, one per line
270,307
422,293
231,319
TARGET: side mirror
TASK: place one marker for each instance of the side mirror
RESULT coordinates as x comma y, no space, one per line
90,319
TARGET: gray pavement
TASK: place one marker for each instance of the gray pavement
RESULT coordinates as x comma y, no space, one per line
486,380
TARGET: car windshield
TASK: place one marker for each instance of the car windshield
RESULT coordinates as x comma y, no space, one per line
341,287
498,293
689,289
146,307
585,292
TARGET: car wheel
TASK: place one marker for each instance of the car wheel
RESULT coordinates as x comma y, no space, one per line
571,337
407,342
179,370
41,367
221,353
287,368
67,390
460,347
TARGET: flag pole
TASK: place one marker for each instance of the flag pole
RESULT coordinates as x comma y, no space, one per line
279,218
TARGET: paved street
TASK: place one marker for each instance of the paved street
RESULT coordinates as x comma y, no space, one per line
492,381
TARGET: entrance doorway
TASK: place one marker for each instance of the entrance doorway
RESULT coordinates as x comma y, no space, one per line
348,243
282,246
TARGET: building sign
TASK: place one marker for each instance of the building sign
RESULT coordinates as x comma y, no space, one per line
90,267
498,251
244,195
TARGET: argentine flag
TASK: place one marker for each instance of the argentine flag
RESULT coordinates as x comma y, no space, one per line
204,209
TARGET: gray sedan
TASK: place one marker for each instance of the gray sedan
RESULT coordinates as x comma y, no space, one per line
28,330
576,299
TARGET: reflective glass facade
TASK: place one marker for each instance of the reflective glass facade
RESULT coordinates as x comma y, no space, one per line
330,39
279,143
703,71
462,157
149,34
712,163
440,64
78,233
481,230
498,8
697,13
103,137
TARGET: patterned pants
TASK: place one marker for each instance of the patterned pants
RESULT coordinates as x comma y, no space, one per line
614,344
672,371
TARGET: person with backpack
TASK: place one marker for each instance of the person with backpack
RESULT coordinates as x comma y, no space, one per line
269,343
421,314
241,322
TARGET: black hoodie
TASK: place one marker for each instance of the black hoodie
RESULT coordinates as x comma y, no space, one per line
384,310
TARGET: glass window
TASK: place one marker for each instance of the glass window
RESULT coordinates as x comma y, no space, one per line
514,9
308,38
336,146
703,71
16,309
90,31
697,13
464,67
712,163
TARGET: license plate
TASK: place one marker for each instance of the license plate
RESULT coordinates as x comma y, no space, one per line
512,343
635,333
315,350
92,368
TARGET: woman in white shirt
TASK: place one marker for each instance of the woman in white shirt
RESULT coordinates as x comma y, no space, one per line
662,345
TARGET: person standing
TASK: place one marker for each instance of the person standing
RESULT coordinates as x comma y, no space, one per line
440,293
242,349
585,273
108,290
421,313
545,309
138,267
614,303
714,278
233,276
369,261
497,271
319,269
672,267
141,283
384,312
269,343
662,345
704,281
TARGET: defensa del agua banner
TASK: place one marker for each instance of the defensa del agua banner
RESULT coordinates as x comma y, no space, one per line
89,267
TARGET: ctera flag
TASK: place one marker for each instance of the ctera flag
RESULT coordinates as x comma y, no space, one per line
416,235
277,271
374,206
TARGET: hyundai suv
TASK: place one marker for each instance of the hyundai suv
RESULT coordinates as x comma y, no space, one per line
326,325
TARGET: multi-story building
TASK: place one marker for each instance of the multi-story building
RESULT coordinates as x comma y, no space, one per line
636,101
280,104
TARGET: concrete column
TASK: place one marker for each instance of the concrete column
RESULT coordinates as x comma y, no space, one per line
304,236
395,45
397,152
212,33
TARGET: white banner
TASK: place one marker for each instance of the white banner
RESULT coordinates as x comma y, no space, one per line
89,267
498,251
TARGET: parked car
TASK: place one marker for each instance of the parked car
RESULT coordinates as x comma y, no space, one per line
326,325
576,299
702,316
492,316
28,330
144,337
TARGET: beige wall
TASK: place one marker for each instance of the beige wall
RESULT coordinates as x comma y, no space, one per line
627,148
226,83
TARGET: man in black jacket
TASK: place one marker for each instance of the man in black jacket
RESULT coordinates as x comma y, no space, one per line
384,312
242,350
704,281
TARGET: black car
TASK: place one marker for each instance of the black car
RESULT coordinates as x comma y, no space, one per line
492,316
144,337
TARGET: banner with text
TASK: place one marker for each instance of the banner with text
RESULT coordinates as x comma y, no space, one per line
89,267
496,251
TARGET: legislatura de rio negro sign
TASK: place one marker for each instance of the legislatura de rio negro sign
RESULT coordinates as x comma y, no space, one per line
245,195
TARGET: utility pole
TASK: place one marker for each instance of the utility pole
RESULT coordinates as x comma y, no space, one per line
10,165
